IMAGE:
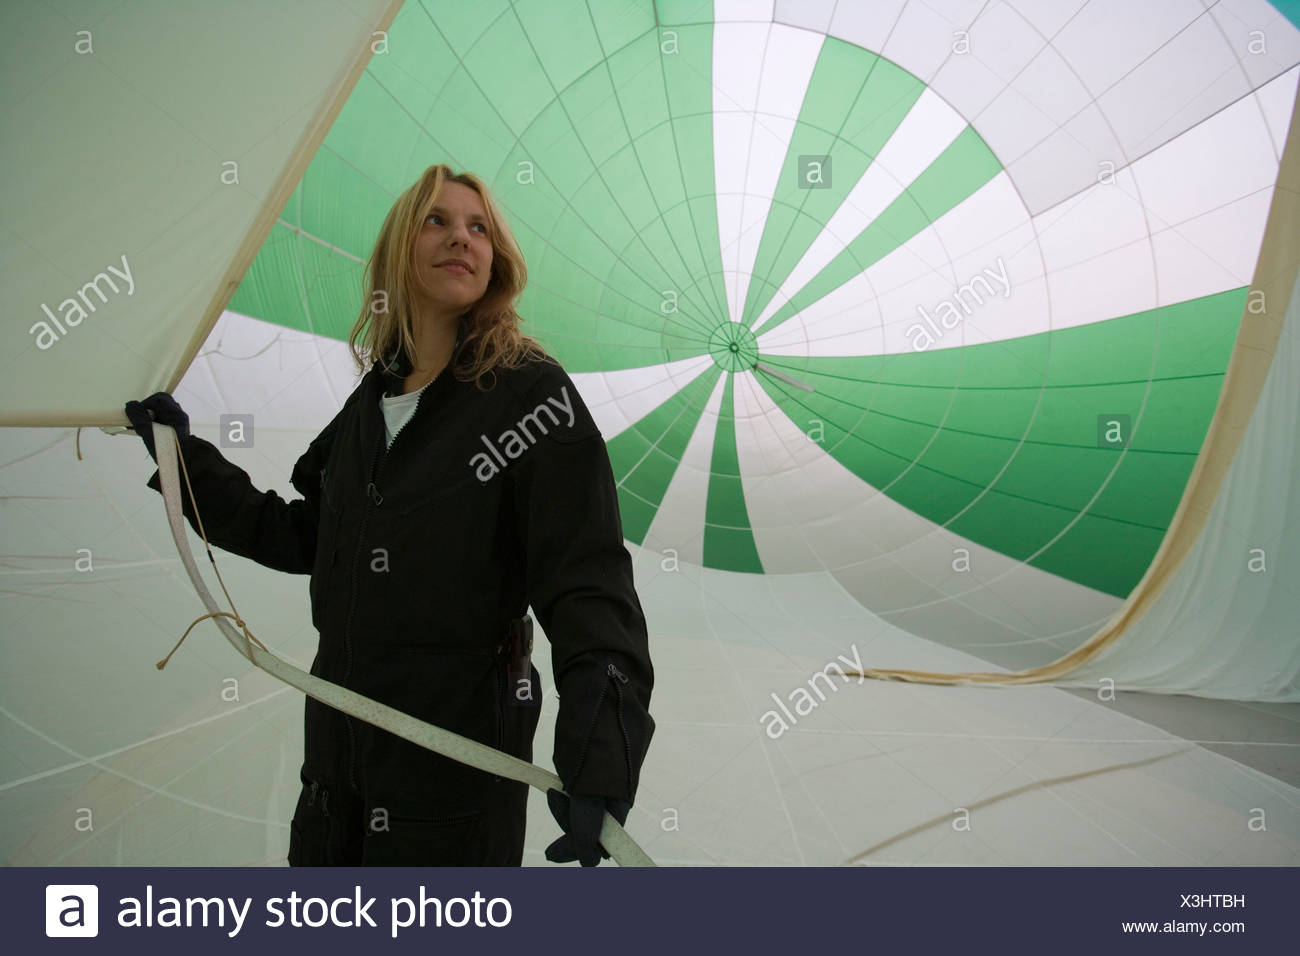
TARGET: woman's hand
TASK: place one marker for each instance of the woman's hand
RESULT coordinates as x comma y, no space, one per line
164,410
581,816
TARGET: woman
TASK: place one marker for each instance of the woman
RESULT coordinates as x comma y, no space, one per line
463,481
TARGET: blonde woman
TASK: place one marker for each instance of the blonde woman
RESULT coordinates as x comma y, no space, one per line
463,481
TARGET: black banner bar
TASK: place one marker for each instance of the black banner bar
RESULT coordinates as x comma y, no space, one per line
193,910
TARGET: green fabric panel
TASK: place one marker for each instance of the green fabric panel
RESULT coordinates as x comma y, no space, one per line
617,24
462,31
676,13
416,65
593,169
303,284
1011,467
562,36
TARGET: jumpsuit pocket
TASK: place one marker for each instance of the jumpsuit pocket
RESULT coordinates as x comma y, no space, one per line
309,831
453,840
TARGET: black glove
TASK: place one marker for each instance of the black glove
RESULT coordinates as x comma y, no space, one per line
165,410
580,816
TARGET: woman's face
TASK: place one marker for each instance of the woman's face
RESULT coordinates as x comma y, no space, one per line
453,251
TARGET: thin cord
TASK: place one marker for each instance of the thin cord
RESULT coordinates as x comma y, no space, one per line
248,635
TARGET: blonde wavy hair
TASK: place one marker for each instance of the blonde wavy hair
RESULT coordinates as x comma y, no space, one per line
493,338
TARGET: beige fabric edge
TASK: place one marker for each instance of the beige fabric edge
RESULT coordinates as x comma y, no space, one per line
1252,355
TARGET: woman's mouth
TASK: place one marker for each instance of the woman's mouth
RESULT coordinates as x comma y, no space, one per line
455,268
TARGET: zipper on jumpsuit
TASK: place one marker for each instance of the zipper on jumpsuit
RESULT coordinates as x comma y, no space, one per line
611,672
375,498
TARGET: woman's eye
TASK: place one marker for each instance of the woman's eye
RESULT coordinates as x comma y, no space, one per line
434,216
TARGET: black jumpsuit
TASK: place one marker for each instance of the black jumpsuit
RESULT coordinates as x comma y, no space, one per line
420,555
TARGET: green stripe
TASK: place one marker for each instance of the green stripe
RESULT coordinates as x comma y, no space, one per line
958,172
998,442
728,538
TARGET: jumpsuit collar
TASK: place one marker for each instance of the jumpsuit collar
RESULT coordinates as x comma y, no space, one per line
381,382
392,379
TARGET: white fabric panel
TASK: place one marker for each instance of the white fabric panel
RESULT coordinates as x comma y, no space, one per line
1031,108
1213,251
167,219
883,758
1152,82
1096,251
1207,238
1048,16
875,313
617,400
967,84
1228,156
1001,45
923,37
778,463
725,11
1276,101
284,378
679,522
736,78
927,130
1265,41
1190,77
1221,628
1002,40
1106,39
808,14
750,148
1067,160
868,25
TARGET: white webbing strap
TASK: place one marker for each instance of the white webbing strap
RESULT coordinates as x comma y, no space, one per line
622,848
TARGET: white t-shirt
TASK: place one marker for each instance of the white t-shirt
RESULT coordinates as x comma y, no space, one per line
397,410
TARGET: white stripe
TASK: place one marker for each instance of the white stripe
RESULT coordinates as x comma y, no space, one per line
760,77
617,400
679,522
